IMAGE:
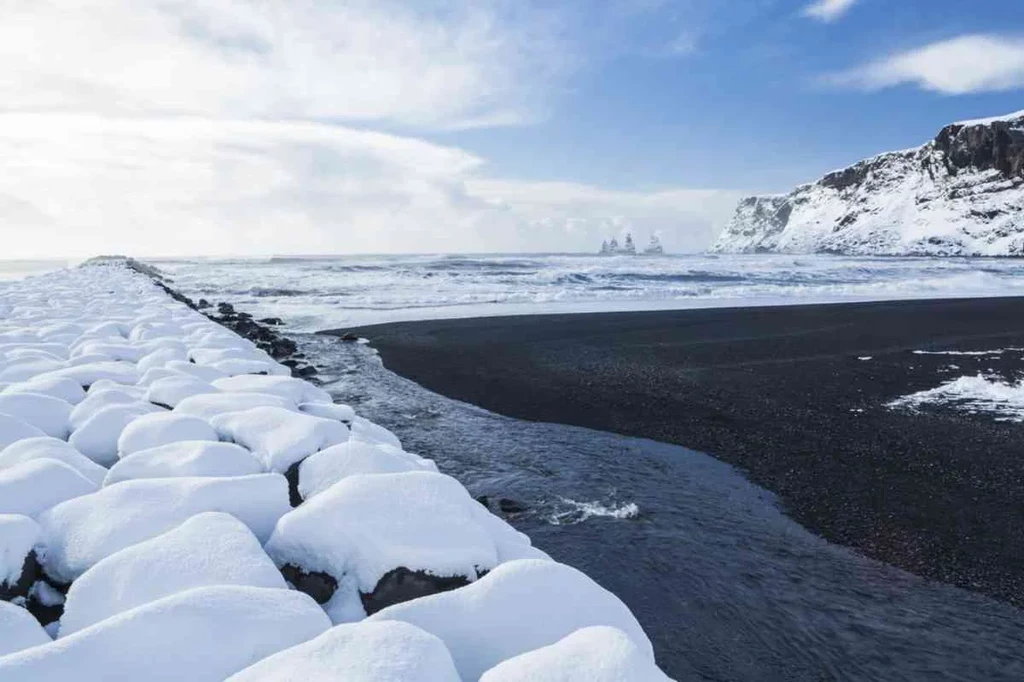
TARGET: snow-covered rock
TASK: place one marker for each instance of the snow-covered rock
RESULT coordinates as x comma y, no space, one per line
210,405
98,437
162,428
375,550
88,374
294,390
594,654
341,413
48,414
19,630
202,635
80,532
208,549
98,398
171,390
280,437
13,429
18,536
320,471
365,430
66,389
185,458
32,487
960,194
518,607
47,447
362,652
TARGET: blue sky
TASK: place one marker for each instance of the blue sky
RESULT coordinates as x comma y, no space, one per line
252,127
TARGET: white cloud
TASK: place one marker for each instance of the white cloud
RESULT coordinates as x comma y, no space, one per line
84,184
360,60
828,10
962,65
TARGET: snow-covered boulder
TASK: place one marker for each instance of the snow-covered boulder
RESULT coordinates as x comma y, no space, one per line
80,532
88,374
47,447
98,398
594,654
208,549
98,437
202,635
66,389
185,458
18,537
365,430
279,436
361,652
210,405
294,390
201,372
13,429
518,607
48,414
32,487
19,630
162,428
320,471
171,390
373,540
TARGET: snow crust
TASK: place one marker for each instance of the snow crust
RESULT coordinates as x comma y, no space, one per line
201,635
362,652
483,624
208,549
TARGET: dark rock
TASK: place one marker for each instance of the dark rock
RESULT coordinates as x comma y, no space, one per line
272,321
304,372
292,475
349,337
319,586
30,572
203,303
401,585
484,500
510,506
46,612
225,309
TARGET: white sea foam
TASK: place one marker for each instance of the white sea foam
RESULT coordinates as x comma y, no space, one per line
974,394
574,512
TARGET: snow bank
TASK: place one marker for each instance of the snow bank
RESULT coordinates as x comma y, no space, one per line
356,533
363,652
279,436
80,532
46,447
18,535
595,654
202,635
18,630
186,458
320,471
208,549
162,428
32,487
518,607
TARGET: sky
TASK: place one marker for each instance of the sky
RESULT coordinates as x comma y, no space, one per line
258,127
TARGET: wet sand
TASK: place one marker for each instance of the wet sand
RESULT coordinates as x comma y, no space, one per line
783,394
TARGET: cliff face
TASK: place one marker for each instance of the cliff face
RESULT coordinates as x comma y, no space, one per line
960,194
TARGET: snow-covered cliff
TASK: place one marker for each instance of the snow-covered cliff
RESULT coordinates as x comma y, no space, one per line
960,194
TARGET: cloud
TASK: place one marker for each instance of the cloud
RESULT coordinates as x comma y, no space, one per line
958,66
77,185
426,64
828,10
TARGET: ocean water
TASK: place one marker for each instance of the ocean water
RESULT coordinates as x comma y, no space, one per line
321,293
725,584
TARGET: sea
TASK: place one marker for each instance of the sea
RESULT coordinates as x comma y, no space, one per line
726,585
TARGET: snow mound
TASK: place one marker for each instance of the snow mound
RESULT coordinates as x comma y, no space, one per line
48,414
211,405
185,458
88,374
365,430
80,532
341,413
32,487
320,471
594,654
46,447
208,549
19,630
98,437
363,652
67,390
279,436
484,623
18,535
171,390
162,428
202,635
291,389
13,429
357,533
98,398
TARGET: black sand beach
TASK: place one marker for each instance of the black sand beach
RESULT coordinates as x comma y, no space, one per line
784,394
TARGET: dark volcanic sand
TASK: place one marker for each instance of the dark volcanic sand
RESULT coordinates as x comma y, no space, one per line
780,393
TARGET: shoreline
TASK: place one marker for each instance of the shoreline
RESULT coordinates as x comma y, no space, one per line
782,394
